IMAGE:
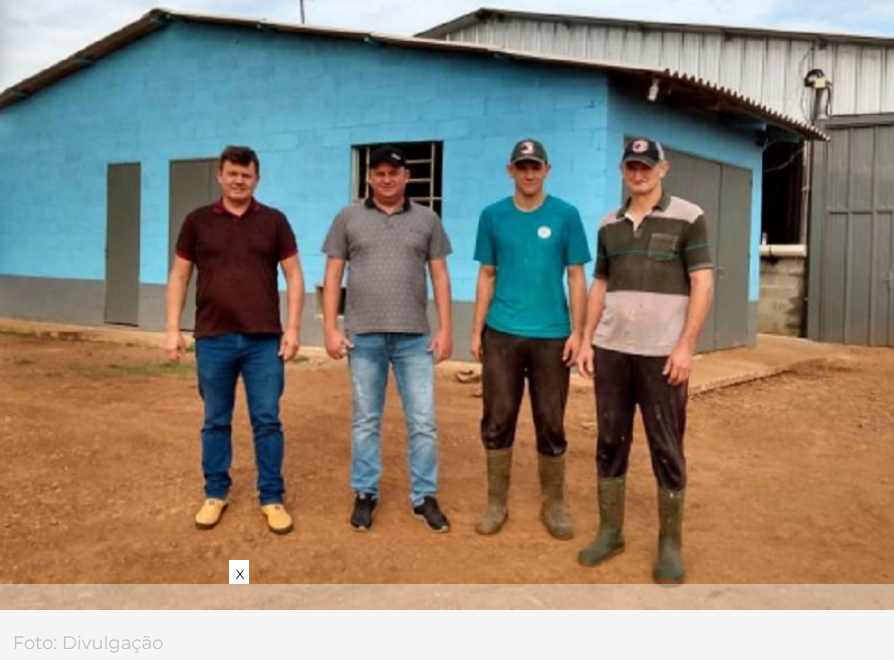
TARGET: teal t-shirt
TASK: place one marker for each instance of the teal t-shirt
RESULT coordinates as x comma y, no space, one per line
531,251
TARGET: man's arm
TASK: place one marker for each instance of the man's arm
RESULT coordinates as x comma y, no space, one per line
577,296
178,283
291,339
337,344
484,293
442,343
595,306
701,292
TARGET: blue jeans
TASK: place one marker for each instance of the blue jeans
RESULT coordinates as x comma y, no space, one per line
414,369
220,361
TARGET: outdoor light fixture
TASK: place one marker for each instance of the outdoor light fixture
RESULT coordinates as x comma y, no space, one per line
816,78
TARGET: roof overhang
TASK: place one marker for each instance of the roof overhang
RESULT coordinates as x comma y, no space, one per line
673,87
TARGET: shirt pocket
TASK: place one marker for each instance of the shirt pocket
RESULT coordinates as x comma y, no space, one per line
663,247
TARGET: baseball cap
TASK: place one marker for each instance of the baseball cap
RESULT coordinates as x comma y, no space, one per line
528,149
643,150
387,154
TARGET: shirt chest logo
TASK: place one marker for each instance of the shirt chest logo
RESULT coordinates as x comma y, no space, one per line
544,232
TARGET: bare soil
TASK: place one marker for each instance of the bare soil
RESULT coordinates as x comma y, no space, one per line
790,481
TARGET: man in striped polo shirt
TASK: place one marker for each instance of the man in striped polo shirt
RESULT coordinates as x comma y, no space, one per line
646,308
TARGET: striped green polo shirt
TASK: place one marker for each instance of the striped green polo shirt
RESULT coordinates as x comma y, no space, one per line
647,271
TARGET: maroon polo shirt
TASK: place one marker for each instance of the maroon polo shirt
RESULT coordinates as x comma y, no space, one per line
236,258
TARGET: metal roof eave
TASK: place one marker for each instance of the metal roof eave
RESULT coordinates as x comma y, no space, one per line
157,19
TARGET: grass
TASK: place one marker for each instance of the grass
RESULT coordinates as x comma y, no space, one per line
23,361
300,359
142,370
152,368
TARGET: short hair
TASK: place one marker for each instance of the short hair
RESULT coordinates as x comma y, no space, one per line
244,156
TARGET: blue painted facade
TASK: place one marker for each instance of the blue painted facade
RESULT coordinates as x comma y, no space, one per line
303,102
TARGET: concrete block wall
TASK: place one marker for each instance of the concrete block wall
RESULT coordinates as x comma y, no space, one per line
303,103
781,305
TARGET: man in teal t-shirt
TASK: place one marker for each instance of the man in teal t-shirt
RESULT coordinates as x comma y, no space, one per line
526,244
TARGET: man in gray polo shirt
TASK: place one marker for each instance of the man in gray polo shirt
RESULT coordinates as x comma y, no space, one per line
646,309
388,241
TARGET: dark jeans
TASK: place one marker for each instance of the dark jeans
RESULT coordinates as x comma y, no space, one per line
220,361
508,359
622,382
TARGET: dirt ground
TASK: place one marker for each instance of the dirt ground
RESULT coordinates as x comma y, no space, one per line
790,481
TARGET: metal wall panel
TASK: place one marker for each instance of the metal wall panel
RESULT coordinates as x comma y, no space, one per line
858,280
709,67
862,75
834,278
614,44
881,312
753,68
692,52
596,42
724,193
122,297
776,73
731,68
193,183
869,81
852,255
861,160
844,80
732,255
671,50
887,95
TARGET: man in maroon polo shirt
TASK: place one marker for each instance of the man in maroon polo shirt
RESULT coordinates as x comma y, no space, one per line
236,244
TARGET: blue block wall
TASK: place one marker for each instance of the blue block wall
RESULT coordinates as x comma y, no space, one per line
302,102
701,136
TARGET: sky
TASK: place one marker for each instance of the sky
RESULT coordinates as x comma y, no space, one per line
35,34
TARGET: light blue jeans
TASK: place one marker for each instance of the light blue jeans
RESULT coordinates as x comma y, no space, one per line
414,369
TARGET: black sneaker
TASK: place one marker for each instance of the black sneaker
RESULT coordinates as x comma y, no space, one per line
430,513
364,508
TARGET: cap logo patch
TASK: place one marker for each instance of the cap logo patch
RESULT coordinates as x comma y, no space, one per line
544,232
527,148
639,147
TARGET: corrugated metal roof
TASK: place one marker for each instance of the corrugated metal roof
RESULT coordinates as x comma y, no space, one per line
486,13
675,87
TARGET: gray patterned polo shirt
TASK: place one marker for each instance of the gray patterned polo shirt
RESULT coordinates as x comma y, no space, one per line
387,256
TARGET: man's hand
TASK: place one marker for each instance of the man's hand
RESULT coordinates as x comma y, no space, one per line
678,365
337,345
175,345
569,353
584,362
441,345
476,348
289,345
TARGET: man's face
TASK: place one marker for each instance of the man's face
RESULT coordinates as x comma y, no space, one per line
640,179
529,176
237,182
388,183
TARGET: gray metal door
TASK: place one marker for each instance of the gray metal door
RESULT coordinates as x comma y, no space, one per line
122,304
724,193
193,183
851,268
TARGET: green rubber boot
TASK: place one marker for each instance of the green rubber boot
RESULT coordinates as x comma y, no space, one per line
669,565
499,468
552,487
609,539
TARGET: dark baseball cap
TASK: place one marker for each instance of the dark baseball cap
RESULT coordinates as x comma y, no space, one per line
643,150
387,154
528,149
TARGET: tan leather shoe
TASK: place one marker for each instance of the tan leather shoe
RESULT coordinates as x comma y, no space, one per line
278,519
210,513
